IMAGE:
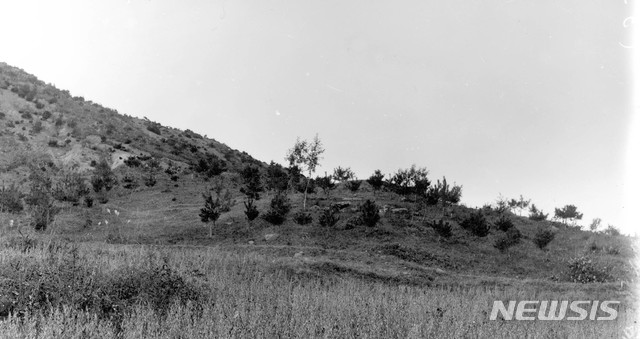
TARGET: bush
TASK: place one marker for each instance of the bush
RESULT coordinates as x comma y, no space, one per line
251,211
584,270
503,223
150,180
508,239
543,237
302,218
476,224
376,180
52,143
369,213
353,185
88,201
280,207
329,216
442,228
70,187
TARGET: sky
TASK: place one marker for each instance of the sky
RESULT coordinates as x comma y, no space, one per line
510,98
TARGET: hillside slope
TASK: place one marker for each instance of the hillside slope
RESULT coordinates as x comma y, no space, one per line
162,172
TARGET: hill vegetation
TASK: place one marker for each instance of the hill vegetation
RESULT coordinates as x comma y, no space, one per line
212,233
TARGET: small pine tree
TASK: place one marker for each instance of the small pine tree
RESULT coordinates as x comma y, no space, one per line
476,224
535,214
325,183
342,174
302,218
353,185
211,211
279,209
376,180
251,211
252,182
543,237
503,223
329,216
508,239
369,213
103,177
442,228
595,224
568,212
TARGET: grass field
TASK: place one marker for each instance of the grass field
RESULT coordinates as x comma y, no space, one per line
136,291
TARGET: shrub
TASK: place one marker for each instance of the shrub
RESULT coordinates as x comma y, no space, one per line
584,270
46,115
150,180
251,211
39,105
133,162
535,214
369,213
103,177
70,187
325,183
442,228
508,239
88,201
53,143
410,181
376,180
503,223
279,208
329,216
353,185
302,218
476,224
543,237
277,179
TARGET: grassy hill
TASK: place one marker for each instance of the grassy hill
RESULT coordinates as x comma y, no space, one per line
162,173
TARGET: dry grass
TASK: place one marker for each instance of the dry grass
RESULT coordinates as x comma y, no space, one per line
248,295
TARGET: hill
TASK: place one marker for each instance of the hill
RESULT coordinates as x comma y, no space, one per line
161,173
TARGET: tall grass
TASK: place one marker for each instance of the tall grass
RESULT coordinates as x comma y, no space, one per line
225,294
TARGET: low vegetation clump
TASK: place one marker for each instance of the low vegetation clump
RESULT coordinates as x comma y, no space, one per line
279,208
507,239
302,218
442,227
503,223
543,237
584,270
369,213
353,185
329,216
476,224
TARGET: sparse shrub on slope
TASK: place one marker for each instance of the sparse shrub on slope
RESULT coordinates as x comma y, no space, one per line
251,211
279,209
536,215
329,216
103,177
503,223
325,183
302,218
376,180
369,213
476,224
277,179
507,239
584,270
543,237
211,211
353,185
70,186
442,227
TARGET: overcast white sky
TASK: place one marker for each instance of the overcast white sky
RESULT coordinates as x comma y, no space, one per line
511,97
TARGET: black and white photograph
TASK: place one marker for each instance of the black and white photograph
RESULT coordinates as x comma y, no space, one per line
319,169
